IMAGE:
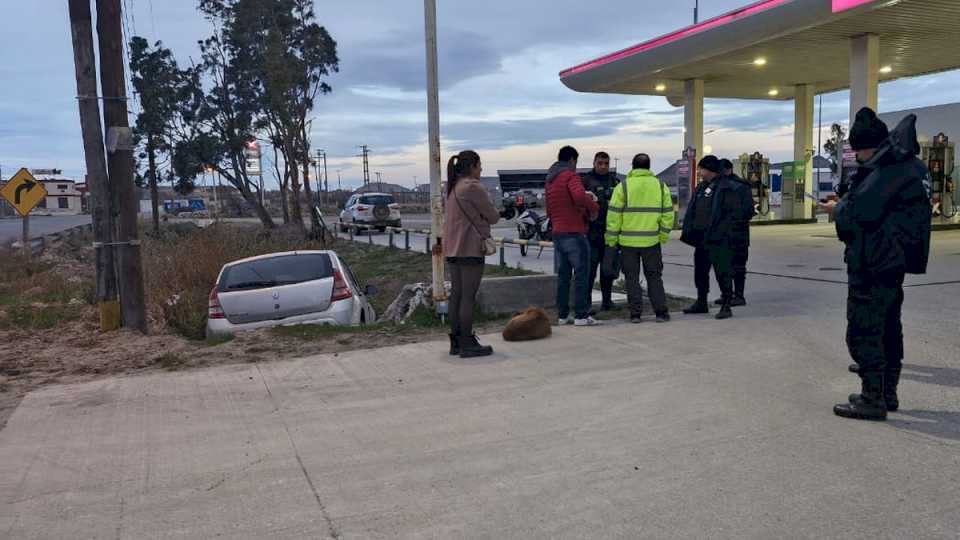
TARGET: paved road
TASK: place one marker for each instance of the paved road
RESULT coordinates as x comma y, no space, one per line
11,229
694,429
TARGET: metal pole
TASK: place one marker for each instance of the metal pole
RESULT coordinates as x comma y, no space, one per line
27,252
433,141
696,12
819,142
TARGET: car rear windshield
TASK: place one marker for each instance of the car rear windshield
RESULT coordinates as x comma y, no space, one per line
275,271
376,200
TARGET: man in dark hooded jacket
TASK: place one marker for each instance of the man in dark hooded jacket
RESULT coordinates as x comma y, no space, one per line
740,235
884,220
708,226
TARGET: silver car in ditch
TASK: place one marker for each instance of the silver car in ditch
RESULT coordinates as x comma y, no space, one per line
283,289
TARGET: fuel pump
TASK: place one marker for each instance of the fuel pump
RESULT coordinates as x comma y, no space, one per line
939,156
755,168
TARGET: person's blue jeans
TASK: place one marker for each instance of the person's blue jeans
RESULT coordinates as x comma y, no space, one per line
571,257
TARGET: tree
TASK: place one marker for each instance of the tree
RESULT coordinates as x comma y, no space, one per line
162,88
834,147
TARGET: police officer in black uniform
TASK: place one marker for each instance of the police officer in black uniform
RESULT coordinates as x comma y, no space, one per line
600,181
708,226
884,220
740,238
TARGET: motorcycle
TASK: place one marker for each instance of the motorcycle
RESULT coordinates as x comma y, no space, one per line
533,226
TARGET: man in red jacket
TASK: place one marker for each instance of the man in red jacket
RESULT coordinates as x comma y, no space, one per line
570,209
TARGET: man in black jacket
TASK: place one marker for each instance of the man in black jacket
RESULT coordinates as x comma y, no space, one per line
740,239
600,181
884,220
708,226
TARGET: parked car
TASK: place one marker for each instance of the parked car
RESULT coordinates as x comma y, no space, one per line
378,210
285,289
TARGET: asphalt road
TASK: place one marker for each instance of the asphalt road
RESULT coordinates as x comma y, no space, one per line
11,229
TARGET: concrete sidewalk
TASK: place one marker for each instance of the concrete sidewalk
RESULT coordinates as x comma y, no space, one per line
694,429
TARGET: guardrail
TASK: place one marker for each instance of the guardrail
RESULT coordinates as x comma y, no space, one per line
39,244
502,242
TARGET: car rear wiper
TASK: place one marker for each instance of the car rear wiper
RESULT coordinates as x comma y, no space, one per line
252,284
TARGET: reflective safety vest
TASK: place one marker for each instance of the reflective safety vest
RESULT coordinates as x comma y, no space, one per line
641,212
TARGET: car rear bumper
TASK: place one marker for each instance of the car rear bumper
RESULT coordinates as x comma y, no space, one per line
338,314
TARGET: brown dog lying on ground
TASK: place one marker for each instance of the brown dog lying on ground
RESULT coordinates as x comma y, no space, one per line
528,325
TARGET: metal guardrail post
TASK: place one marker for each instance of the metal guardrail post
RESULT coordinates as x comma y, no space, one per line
503,255
350,229
370,237
428,244
391,238
407,240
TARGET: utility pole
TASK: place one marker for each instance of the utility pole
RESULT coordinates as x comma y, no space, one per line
98,182
433,143
326,175
696,11
339,184
366,163
379,181
120,163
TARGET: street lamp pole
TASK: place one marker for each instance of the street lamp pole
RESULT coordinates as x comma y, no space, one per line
433,142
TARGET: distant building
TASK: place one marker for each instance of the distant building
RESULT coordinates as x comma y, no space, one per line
63,197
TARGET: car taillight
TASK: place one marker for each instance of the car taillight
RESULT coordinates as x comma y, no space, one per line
394,206
362,208
341,291
214,309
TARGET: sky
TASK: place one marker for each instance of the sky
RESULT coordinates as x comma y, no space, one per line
500,90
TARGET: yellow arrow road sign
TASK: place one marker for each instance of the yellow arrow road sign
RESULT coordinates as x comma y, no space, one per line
24,192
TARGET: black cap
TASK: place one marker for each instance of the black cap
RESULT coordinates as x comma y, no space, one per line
726,164
710,163
868,131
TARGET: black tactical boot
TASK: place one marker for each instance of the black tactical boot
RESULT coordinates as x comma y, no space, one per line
725,311
698,307
870,404
890,381
738,300
471,348
739,283
454,344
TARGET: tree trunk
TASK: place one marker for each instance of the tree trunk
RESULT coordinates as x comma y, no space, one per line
254,201
296,213
154,192
283,181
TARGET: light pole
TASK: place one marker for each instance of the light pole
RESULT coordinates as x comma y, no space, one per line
696,11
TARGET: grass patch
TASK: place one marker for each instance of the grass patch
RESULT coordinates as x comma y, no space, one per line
170,362
36,294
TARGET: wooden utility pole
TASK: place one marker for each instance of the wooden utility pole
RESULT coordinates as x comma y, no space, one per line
433,143
97,181
120,163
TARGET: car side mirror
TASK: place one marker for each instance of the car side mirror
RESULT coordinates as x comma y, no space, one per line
370,290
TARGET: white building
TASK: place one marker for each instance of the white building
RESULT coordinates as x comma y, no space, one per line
63,197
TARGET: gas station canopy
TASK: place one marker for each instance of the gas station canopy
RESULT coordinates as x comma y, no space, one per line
767,49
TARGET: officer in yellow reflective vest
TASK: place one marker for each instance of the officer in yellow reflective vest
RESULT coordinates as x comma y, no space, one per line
639,223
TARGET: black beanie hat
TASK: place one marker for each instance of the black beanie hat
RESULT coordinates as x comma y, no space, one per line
710,163
868,131
726,164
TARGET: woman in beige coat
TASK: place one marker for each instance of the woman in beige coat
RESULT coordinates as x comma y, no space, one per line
470,213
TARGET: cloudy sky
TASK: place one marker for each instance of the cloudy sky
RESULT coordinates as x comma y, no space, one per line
500,93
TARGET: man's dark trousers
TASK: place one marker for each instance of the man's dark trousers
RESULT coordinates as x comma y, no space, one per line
597,250
720,258
874,329
652,260
741,252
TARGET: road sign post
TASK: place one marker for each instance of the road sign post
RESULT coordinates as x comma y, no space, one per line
24,193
